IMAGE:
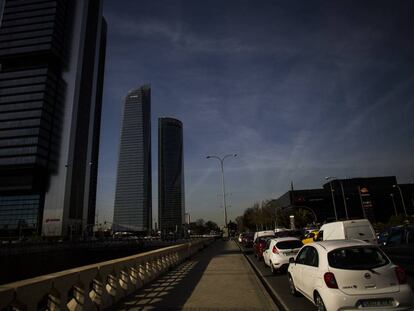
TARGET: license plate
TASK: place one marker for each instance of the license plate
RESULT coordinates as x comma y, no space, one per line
369,303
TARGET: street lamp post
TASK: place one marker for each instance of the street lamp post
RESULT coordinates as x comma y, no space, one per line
221,160
343,197
402,198
393,203
330,178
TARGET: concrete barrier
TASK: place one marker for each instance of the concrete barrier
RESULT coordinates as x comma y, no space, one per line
96,286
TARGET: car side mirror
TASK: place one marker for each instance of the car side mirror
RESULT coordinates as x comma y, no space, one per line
291,260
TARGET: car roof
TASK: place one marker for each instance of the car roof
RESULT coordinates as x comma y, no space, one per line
265,237
288,238
334,244
265,231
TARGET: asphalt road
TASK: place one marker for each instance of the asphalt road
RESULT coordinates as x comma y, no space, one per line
279,285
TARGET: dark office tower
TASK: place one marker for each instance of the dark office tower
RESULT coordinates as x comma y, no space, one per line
133,196
170,175
52,55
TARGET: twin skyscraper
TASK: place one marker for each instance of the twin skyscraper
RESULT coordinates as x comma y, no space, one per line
133,196
52,61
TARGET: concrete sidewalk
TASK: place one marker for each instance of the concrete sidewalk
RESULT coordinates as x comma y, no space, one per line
218,278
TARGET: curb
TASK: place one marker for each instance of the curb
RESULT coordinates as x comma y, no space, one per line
275,296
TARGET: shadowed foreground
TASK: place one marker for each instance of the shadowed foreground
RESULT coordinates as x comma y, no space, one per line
218,278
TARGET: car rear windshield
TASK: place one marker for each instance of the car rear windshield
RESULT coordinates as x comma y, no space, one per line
266,237
357,258
289,244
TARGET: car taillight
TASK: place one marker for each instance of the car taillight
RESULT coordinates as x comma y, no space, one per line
275,250
401,276
330,280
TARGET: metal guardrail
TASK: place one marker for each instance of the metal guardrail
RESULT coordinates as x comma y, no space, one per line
96,286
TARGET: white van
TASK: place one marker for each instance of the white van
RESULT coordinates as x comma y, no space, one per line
360,229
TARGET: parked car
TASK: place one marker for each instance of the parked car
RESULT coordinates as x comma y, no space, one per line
278,251
398,235
265,233
289,233
398,244
259,246
309,230
247,240
360,229
279,229
349,275
310,237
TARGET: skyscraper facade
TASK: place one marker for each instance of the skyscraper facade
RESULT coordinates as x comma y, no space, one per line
133,195
171,206
52,55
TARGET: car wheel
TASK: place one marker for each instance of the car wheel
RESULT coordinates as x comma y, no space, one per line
292,287
319,303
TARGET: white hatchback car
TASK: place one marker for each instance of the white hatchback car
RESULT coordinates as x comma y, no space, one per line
278,251
349,275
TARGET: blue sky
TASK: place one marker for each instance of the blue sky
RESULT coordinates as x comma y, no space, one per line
298,89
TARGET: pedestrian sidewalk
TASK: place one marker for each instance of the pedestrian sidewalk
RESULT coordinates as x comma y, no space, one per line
217,278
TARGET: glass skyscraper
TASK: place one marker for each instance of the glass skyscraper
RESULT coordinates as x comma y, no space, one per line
171,198
133,195
52,55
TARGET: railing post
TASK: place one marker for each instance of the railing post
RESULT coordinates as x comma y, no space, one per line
135,276
125,281
148,269
55,300
155,266
165,264
81,299
170,259
143,275
98,294
111,286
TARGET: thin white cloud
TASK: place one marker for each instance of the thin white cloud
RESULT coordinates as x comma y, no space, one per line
364,112
177,35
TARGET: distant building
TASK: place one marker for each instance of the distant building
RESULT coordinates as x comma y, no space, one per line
316,201
133,195
374,198
170,175
52,56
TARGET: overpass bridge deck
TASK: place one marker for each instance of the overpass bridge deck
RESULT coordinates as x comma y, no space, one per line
218,278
